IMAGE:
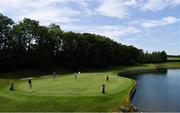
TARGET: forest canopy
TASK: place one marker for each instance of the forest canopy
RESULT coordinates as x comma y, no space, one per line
28,45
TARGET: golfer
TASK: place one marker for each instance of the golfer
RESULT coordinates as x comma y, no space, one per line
30,84
75,75
107,78
103,88
54,75
11,86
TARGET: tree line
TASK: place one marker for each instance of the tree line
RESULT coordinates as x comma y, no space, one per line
27,44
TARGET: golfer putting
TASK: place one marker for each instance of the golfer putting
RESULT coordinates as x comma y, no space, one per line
76,74
11,86
107,78
30,84
103,89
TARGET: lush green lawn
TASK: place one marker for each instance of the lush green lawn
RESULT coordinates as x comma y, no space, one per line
174,58
172,65
67,94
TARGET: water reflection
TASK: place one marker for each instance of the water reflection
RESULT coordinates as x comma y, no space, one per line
158,91
161,71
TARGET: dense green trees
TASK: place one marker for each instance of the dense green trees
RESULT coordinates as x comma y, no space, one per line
6,41
28,44
154,57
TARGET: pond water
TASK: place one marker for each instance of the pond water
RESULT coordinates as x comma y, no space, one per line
158,91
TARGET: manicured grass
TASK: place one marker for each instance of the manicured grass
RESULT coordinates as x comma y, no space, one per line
87,84
174,58
172,65
67,94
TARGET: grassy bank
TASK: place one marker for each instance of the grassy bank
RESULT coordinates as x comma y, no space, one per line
67,94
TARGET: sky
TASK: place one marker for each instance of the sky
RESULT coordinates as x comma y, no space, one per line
151,25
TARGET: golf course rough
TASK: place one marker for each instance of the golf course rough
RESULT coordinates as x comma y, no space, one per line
66,93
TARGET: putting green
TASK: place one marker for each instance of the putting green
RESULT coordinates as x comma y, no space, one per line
66,94
86,84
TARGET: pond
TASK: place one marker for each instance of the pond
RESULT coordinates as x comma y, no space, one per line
158,91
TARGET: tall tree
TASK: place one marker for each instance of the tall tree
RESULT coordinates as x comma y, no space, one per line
25,34
6,41
56,42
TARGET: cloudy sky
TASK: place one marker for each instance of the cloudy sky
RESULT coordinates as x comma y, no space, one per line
147,24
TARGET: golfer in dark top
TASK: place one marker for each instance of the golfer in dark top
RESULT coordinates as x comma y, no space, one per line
103,88
30,84
12,86
107,78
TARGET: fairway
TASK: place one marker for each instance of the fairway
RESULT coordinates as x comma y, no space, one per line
173,58
66,93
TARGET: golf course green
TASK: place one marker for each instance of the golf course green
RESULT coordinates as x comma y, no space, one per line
67,94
